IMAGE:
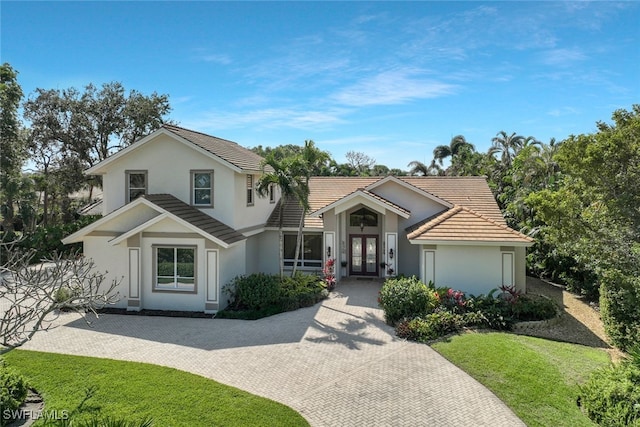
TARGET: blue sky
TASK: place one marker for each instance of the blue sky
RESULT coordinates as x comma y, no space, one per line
391,79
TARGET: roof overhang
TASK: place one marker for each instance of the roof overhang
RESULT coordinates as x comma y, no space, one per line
470,243
162,215
366,198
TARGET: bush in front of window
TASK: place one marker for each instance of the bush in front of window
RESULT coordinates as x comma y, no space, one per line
260,295
254,292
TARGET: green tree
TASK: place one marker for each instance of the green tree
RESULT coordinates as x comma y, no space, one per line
308,163
14,187
592,218
284,174
507,146
456,144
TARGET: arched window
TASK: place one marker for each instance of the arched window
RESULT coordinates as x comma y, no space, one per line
363,217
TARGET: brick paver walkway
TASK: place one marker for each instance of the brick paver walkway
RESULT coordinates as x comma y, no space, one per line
336,363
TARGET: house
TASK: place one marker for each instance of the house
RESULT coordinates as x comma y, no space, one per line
181,218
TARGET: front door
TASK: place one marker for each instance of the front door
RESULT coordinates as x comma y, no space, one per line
364,255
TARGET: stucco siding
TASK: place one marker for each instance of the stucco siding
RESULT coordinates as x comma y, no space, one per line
169,164
112,261
420,206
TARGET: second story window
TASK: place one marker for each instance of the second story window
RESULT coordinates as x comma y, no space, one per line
202,188
249,190
136,184
272,193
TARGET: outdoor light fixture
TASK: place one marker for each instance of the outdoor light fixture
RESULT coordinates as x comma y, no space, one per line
328,251
361,226
391,253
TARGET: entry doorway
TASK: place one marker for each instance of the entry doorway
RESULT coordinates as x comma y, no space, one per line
363,252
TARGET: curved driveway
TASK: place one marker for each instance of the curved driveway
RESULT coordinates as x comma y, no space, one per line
336,363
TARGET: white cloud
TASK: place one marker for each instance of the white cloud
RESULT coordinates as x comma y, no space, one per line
392,87
562,57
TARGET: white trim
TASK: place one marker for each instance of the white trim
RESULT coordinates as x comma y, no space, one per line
471,243
391,242
428,267
382,207
212,274
134,276
329,241
510,271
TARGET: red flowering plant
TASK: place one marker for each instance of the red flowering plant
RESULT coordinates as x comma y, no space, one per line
451,300
329,275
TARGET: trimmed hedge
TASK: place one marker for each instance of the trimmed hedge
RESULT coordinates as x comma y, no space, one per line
406,298
619,308
611,397
260,295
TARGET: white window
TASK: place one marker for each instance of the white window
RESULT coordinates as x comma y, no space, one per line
249,190
175,268
310,254
136,184
202,188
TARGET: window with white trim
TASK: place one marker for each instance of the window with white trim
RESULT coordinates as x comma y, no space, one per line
249,190
136,184
175,268
310,255
202,188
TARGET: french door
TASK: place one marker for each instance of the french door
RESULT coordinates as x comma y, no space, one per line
364,255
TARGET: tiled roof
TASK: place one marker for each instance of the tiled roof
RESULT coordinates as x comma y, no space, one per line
463,224
229,151
471,192
195,217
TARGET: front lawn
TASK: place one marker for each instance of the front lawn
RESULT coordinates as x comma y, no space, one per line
538,379
135,391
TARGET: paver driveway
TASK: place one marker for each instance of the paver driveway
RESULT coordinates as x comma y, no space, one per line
336,363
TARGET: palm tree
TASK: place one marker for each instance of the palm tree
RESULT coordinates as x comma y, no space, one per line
419,168
441,152
284,174
309,163
507,145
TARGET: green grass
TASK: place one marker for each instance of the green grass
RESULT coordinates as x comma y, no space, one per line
135,391
538,379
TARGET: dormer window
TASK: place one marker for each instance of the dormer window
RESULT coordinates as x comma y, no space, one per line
136,184
202,188
249,190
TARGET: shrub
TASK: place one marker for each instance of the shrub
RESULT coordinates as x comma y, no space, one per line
528,308
611,396
260,295
254,292
619,302
13,391
402,298
431,326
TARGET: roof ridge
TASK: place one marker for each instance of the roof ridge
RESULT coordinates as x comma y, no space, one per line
166,125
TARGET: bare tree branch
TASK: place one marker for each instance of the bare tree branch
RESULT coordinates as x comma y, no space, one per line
32,296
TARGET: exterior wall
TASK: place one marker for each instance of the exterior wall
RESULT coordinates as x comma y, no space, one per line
472,269
521,268
128,220
247,216
169,164
232,264
110,259
267,256
420,206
